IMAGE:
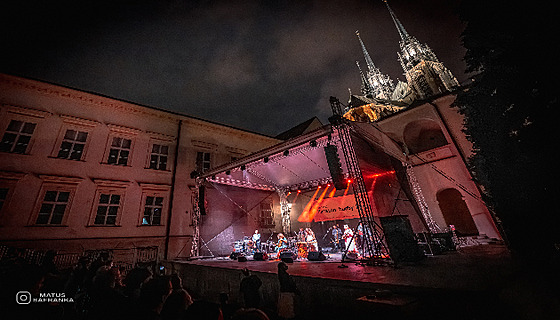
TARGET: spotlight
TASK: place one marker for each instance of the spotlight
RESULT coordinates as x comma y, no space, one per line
313,143
299,191
349,180
286,153
265,159
228,172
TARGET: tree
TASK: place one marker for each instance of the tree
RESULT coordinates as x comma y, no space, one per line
508,118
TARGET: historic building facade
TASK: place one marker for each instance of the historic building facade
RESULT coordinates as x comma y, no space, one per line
81,172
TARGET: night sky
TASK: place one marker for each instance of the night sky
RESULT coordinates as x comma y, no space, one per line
264,66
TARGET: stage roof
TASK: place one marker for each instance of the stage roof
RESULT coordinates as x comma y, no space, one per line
298,163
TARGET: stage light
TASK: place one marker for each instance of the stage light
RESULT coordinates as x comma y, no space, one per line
228,172
313,143
243,168
265,159
299,191
286,153
349,181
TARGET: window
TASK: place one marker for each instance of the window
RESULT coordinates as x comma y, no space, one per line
266,216
3,196
8,182
17,136
202,161
154,204
107,209
158,157
73,144
423,135
53,207
153,208
119,151
108,202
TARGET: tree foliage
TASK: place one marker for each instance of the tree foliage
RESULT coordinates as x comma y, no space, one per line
508,112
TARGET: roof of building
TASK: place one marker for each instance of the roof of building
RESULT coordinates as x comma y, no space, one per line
300,129
134,103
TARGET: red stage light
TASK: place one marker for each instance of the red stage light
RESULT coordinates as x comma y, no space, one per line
349,180
299,191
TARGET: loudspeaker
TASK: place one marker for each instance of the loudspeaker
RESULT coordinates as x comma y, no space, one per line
241,259
260,256
335,167
402,244
287,257
316,256
201,200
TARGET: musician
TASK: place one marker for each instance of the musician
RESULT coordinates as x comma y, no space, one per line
359,237
336,235
348,239
282,242
310,239
257,240
301,235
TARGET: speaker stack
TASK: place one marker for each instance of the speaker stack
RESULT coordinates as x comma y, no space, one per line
260,256
316,256
287,257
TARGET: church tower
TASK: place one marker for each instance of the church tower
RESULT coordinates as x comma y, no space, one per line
374,83
424,73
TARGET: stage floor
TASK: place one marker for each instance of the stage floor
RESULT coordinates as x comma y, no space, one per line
476,268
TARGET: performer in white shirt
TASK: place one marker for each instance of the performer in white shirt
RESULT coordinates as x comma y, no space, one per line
257,240
311,240
348,240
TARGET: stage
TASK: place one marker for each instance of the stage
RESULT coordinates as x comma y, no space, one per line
472,276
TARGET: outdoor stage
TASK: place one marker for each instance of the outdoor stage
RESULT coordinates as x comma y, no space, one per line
454,282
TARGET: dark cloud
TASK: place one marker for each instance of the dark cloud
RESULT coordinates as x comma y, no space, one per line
260,65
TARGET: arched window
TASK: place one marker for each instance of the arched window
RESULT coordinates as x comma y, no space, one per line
423,135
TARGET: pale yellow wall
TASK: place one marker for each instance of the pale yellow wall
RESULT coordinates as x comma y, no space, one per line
55,109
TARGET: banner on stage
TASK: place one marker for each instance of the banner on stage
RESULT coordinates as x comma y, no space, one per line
337,208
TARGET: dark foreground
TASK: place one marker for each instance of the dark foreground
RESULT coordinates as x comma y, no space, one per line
480,282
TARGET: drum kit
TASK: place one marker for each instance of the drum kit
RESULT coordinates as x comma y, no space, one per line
246,246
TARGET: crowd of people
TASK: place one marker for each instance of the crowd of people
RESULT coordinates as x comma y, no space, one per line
97,289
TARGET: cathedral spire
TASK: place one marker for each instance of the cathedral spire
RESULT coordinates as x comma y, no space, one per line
377,84
423,71
366,87
369,62
400,28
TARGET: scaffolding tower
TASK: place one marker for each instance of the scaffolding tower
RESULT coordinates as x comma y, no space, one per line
373,245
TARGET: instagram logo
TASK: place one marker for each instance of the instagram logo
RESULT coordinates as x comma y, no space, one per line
23,297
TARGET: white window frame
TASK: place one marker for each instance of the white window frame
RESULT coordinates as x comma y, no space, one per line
23,114
76,124
111,187
154,190
123,133
58,184
8,180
